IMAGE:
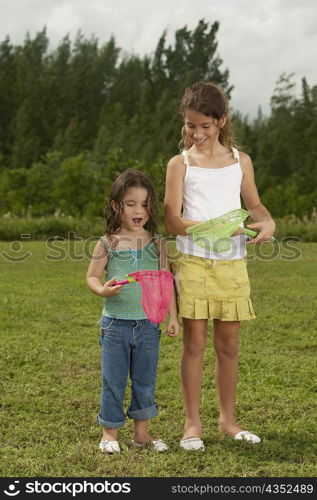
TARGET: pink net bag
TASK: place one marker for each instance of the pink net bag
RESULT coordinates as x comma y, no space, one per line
157,289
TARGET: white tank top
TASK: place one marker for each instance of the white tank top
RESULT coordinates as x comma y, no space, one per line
209,193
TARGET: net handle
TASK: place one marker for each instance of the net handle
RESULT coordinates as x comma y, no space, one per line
249,232
131,279
253,234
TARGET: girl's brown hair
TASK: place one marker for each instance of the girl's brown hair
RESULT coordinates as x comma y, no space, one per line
210,100
130,178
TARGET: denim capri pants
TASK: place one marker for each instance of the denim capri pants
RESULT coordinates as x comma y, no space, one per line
128,348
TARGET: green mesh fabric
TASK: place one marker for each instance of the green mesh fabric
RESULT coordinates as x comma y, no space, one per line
215,234
128,303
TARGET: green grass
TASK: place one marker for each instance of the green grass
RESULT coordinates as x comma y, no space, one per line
50,376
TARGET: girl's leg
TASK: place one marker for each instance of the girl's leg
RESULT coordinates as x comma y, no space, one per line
115,354
142,437
226,342
141,434
194,344
109,434
143,371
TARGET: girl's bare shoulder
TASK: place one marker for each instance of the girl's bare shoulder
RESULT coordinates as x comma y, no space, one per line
245,159
176,161
108,242
176,170
101,249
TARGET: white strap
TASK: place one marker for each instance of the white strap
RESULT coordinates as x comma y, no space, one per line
235,153
185,154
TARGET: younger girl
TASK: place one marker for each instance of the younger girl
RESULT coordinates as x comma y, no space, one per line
129,341
205,182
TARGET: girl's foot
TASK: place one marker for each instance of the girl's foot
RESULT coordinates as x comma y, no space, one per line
142,438
239,434
109,443
192,429
229,429
155,444
247,436
109,446
194,443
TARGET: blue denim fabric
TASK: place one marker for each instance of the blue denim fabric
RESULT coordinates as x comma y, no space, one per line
128,348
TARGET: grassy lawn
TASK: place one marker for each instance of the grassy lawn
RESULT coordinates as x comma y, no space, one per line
50,375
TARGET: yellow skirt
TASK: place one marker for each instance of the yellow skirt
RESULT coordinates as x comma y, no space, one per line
212,289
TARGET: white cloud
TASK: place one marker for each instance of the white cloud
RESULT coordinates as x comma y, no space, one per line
258,39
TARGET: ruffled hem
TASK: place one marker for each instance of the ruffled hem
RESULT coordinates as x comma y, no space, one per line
225,310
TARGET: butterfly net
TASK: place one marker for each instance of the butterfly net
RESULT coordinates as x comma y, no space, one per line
157,290
215,234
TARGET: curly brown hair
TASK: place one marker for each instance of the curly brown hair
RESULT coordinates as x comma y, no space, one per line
130,178
210,100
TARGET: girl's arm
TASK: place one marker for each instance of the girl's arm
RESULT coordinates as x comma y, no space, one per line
95,273
174,222
172,328
263,221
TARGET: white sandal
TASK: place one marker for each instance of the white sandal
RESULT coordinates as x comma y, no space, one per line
247,436
193,443
156,445
109,446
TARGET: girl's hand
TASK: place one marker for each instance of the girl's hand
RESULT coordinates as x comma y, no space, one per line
172,327
109,289
265,230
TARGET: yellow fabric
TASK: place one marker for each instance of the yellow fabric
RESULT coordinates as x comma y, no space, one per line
209,288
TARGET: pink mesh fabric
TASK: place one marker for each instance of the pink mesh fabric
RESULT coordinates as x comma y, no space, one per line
157,289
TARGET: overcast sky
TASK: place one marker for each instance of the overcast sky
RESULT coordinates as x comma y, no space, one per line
257,39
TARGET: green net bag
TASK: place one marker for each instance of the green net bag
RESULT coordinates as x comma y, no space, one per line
215,234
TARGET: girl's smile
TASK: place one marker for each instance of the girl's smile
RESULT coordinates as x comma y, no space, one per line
199,141
201,128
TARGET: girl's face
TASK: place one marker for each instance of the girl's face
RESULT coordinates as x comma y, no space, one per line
135,213
202,129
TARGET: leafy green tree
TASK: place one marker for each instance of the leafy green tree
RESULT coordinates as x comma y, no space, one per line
31,122
78,187
16,195
8,101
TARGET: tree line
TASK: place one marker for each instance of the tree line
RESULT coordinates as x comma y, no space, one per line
73,118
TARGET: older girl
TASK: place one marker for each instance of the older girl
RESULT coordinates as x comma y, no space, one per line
204,182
